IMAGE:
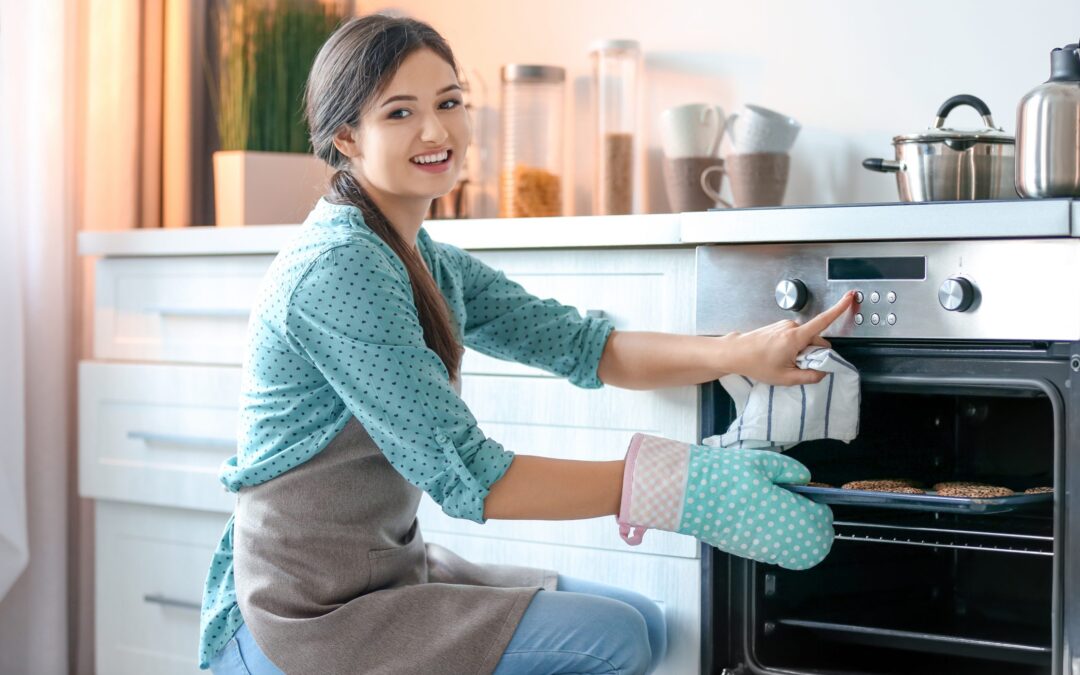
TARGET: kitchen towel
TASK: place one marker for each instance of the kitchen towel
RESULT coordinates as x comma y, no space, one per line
774,417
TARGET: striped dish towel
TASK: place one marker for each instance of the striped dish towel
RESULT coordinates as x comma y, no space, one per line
776,418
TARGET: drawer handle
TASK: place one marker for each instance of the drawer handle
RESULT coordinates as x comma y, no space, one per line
595,313
176,439
220,312
159,599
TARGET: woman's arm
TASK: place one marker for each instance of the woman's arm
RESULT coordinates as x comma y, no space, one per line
540,488
639,360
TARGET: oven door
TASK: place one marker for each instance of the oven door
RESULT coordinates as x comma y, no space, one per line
920,591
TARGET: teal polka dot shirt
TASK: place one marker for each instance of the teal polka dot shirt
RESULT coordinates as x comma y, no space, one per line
334,334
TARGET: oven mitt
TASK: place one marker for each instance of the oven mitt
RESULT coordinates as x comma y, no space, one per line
726,498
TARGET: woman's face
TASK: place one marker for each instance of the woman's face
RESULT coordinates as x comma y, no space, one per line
412,137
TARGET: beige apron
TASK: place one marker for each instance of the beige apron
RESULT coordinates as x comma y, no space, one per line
333,576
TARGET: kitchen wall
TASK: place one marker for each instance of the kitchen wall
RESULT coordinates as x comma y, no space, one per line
854,72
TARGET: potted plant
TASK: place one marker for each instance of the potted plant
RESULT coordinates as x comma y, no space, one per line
265,172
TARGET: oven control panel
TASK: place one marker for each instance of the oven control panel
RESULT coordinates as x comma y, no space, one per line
971,289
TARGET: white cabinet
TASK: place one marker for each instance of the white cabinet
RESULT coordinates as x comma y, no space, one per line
150,569
158,412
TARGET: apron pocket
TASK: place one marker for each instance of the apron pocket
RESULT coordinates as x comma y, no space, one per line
403,565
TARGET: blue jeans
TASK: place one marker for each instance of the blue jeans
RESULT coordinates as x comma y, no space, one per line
581,628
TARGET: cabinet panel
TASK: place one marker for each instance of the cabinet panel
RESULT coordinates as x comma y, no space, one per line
650,290
150,570
157,434
182,309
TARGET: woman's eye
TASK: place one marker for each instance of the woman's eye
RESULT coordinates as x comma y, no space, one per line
399,114
451,103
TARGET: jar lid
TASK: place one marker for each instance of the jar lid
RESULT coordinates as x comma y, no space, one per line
521,72
614,46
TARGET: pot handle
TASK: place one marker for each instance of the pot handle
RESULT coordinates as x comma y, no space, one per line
882,165
964,99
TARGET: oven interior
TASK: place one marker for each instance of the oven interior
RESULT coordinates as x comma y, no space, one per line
912,591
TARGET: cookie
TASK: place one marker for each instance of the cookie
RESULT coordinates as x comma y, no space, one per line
1038,490
974,491
881,485
958,484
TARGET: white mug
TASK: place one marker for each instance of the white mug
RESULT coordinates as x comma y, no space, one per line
692,130
757,129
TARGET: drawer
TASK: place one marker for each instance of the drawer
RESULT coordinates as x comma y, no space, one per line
150,568
638,289
157,434
674,583
177,309
548,417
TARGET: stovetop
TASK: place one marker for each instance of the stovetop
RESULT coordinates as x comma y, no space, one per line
1037,218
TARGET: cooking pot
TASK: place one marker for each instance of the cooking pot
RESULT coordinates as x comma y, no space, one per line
942,164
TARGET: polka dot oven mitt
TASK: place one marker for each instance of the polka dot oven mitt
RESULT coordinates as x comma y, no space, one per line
726,498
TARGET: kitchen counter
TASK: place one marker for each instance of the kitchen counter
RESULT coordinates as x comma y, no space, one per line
474,234
868,222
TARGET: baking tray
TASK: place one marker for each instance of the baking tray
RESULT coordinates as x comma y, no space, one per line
930,501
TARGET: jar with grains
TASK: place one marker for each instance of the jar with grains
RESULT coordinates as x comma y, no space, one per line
616,64
531,139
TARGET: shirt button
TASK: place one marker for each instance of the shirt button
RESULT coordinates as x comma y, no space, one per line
442,438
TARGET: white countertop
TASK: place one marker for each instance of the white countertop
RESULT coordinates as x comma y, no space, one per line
856,222
476,234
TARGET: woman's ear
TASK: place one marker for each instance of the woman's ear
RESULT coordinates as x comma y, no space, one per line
345,141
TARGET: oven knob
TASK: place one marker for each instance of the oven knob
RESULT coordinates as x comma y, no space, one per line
956,294
791,295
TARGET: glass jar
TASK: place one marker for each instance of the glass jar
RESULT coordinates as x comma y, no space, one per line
530,177
616,65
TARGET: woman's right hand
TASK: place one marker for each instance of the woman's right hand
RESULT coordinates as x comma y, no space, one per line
768,353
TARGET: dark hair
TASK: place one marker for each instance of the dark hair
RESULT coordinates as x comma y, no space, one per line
355,65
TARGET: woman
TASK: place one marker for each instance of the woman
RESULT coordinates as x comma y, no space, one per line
350,408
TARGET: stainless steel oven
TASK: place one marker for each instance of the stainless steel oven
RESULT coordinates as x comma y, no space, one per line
969,349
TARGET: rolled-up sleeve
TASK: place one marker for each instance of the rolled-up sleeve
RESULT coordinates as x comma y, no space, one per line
354,317
506,321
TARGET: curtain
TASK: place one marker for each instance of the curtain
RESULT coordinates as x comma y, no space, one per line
38,153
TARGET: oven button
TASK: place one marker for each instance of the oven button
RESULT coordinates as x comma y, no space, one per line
858,319
791,295
859,297
956,294
874,297
891,319
891,297
875,319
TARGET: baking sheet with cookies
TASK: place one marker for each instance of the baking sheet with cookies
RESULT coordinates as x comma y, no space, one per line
906,497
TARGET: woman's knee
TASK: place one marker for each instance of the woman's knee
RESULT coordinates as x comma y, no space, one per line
626,634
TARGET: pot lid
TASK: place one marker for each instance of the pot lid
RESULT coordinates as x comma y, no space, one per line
938,132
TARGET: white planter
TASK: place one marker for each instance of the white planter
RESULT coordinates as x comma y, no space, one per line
266,188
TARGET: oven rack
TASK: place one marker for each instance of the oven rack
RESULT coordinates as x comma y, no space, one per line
940,537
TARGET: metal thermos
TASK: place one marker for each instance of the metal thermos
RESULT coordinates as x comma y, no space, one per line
1048,131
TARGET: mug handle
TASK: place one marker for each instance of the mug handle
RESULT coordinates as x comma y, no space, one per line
714,194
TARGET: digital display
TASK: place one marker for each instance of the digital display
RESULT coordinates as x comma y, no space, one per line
862,269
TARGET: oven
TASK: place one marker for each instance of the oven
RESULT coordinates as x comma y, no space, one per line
969,353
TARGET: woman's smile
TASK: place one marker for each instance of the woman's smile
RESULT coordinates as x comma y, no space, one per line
437,161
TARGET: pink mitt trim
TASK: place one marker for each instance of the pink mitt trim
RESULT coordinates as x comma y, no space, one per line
628,482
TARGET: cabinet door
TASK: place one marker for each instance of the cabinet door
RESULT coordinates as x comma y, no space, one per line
673,583
150,570
638,289
175,309
550,417
157,434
